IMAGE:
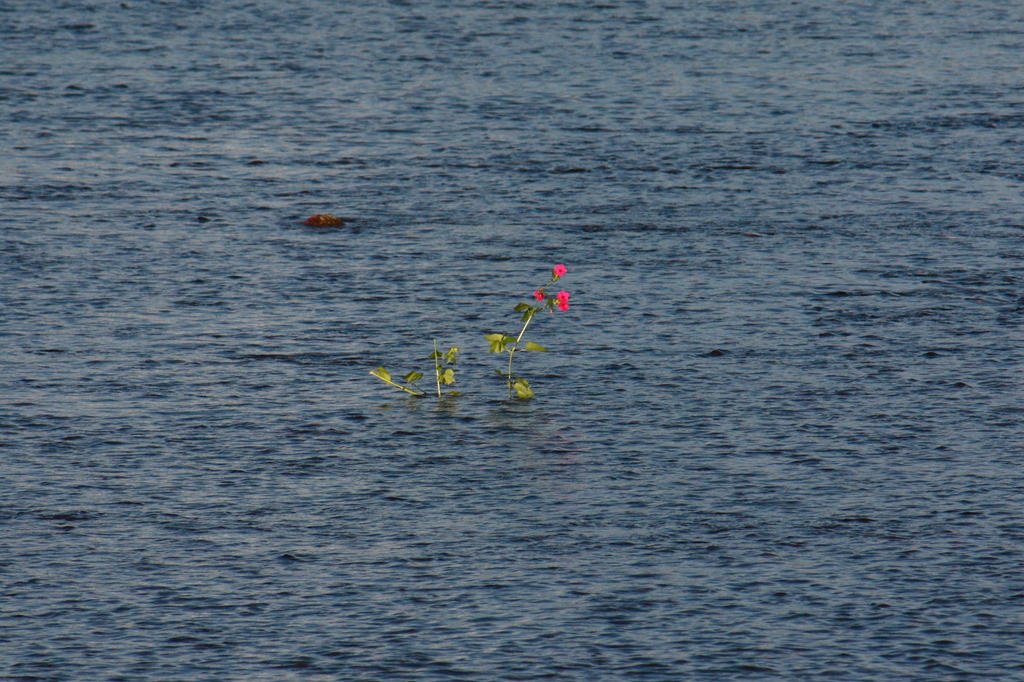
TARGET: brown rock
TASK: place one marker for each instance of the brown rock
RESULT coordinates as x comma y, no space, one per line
323,220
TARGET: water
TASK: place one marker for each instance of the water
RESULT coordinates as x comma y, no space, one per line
779,437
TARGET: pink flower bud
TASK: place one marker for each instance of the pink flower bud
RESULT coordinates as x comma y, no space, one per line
559,270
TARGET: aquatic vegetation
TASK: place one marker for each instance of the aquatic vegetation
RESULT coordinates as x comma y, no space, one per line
511,344
444,362
409,380
443,374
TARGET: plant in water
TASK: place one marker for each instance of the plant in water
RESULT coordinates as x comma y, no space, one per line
409,379
444,362
510,344
442,373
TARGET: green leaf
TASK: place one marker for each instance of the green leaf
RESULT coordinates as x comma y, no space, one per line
522,387
435,355
523,306
381,373
530,345
413,376
497,342
454,394
527,315
448,377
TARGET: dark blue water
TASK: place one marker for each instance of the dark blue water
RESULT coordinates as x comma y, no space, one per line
781,432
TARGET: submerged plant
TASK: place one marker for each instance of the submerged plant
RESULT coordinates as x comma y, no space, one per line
511,344
444,362
409,379
443,374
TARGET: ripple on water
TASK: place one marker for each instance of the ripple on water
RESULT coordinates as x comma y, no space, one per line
778,435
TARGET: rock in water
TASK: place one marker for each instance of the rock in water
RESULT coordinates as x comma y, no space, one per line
323,220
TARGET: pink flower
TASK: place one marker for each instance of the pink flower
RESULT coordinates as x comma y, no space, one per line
563,306
563,300
539,295
559,270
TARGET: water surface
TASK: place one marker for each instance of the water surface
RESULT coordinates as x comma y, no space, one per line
779,437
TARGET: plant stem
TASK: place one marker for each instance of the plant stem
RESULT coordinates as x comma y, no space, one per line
404,388
437,369
528,321
514,348
510,374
